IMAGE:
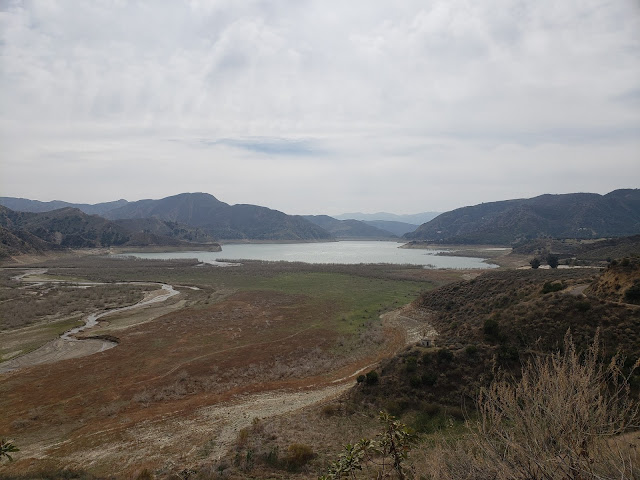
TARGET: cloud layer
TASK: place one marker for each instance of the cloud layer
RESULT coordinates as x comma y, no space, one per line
319,107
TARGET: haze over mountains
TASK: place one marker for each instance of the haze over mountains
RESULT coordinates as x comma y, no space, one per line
414,218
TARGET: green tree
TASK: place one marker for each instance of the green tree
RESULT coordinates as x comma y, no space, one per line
552,261
386,455
535,263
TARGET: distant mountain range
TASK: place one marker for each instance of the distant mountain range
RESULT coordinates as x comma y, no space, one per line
350,229
412,219
221,220
200,218
575,215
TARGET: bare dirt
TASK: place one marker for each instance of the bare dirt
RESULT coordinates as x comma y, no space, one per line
185,380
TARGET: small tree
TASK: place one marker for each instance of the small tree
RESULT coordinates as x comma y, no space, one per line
535,263
552,261
387,455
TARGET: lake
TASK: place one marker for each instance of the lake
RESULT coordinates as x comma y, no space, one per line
345,252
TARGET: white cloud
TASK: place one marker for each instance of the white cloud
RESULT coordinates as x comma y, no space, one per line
423,106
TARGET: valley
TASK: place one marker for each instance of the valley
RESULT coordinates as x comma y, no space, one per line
139,347
260,335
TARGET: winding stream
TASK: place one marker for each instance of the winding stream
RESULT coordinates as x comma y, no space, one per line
67,345
92,320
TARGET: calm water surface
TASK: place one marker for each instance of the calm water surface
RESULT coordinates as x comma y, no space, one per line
331,252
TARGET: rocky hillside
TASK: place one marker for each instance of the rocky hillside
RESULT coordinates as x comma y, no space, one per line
576,215
221,220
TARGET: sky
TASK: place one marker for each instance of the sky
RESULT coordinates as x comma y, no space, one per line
324,106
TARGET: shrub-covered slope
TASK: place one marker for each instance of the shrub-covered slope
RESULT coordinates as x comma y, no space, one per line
499,319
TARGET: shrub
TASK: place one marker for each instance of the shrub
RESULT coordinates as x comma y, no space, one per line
371,378
491,328
298,455
583,306
471,350
632,295
508,354
549,287
445,355
361,378
415,382
411,364
429,378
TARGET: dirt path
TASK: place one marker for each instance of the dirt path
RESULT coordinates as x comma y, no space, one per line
224,422
217,426
578,290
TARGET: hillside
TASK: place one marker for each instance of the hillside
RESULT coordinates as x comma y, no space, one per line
576,215
66,227
28,232
221,220
582,251
501,319
349,229
620,282
165,228
19,242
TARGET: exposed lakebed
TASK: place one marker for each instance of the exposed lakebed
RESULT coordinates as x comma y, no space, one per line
346,252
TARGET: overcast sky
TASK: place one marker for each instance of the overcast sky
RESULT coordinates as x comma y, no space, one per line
319,106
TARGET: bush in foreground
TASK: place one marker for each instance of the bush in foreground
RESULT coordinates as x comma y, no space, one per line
564,419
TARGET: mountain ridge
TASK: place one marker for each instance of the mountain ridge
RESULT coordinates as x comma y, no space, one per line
224,221
573,215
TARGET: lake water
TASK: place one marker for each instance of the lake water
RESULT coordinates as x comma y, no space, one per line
330,252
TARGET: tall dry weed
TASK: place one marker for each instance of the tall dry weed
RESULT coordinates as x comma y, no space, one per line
564,419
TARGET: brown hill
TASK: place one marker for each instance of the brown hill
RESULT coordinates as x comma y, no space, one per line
620,282
499,319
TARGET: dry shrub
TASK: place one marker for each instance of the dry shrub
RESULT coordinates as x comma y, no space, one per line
298,455
564,419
